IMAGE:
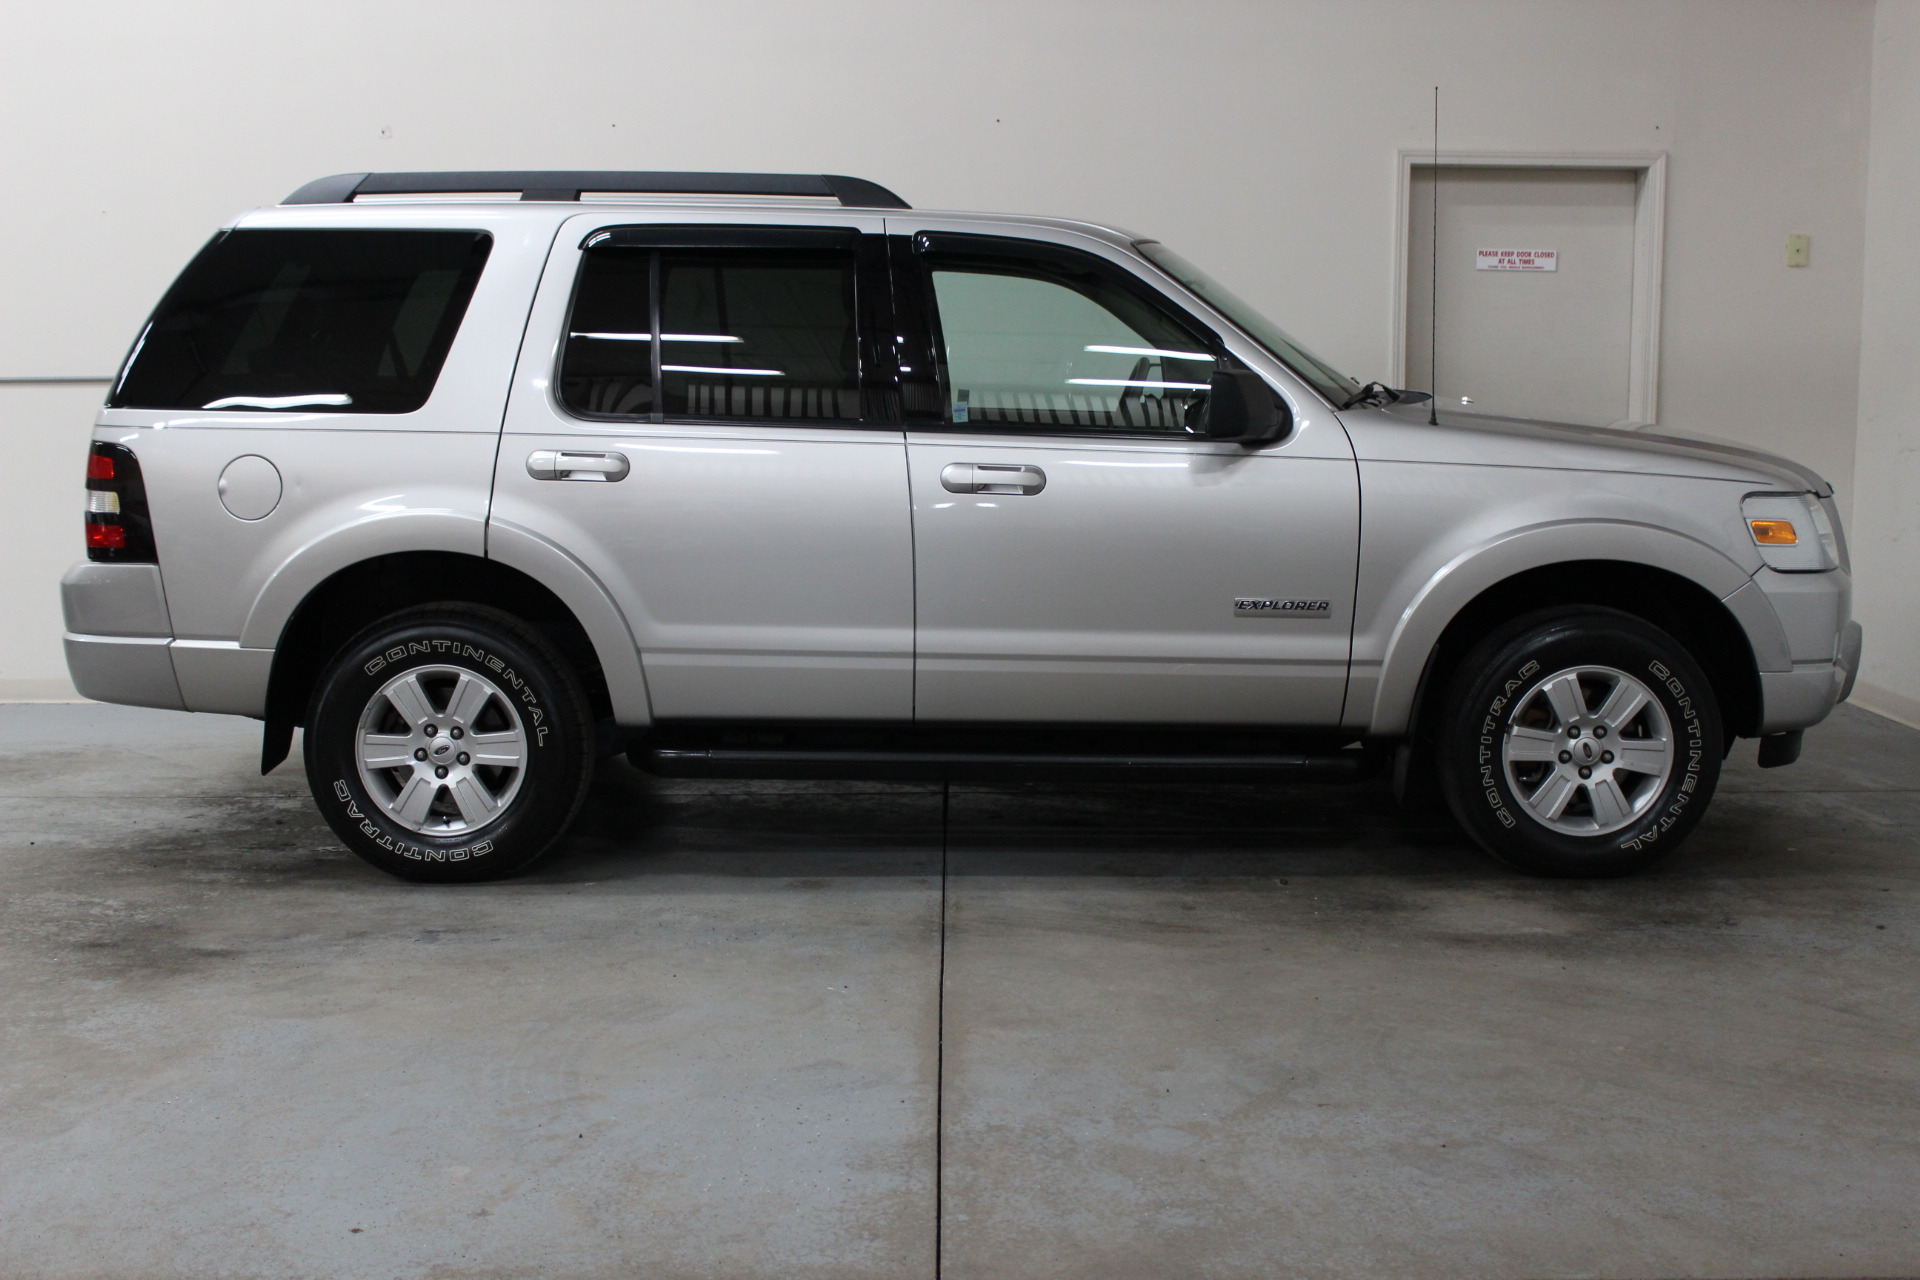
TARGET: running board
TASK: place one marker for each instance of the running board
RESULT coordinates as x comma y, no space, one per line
939,766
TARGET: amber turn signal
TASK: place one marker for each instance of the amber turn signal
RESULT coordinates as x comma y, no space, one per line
1774,533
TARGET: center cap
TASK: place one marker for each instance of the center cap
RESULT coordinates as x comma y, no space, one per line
1585,750
441,749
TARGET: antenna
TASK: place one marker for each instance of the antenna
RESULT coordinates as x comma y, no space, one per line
1433,285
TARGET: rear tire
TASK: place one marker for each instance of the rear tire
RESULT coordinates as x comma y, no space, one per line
449,742
1579,742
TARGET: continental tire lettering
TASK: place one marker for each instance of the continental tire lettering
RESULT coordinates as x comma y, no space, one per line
1696,752
375,665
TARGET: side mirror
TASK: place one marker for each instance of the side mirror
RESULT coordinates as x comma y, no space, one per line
1241,406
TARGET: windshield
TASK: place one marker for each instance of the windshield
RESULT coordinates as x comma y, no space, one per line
1337,387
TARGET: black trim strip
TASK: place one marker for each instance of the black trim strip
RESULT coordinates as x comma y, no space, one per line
733,762
651,236
567,184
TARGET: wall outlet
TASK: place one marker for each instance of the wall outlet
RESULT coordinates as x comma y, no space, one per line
1798,246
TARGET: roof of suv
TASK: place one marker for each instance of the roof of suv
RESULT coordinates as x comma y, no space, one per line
646,190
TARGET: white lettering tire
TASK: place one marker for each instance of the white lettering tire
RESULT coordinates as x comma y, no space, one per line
449,742
1579,742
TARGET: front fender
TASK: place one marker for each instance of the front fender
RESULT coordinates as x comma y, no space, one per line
1436,601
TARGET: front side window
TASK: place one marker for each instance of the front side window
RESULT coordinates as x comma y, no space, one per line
1338,388
1056,339
353,320
758,332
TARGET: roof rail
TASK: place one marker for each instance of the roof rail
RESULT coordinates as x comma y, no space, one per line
567,184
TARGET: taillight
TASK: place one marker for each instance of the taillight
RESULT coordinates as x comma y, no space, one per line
118,526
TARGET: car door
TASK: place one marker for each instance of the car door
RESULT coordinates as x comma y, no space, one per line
1079,555
696,421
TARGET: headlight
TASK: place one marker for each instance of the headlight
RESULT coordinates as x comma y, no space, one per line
1792,532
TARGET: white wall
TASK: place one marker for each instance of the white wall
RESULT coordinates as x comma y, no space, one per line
1258,138
1886,524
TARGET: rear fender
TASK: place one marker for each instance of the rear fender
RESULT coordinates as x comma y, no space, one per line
581,592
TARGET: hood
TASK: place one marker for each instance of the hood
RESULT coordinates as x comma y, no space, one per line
1402,433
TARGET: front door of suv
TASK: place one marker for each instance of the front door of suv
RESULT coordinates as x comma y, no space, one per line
1079,555
696,423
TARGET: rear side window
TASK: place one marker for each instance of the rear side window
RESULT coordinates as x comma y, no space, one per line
352,320
753,332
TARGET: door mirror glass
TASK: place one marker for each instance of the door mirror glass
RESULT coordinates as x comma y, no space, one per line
1241,406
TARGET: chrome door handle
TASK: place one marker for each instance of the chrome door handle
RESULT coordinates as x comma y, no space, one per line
559,464
991,477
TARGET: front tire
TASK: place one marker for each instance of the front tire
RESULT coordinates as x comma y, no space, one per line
449,742
1579,742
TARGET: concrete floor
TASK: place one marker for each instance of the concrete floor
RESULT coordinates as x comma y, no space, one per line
1185,1031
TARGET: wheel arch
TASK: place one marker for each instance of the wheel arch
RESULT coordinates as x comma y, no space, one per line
1675,603
351,598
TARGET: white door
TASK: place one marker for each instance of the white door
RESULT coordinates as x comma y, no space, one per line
689,425
1079,556
1522,334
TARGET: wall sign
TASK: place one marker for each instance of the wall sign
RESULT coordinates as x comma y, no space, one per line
1517,260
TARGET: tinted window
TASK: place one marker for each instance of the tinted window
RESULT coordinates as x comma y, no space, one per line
354,320
744,333
1051,340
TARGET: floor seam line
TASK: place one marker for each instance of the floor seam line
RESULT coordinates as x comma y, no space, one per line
940,1042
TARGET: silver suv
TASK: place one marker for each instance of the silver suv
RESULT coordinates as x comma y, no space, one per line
482,477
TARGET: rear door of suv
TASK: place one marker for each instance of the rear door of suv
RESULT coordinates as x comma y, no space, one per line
1080,556
697,420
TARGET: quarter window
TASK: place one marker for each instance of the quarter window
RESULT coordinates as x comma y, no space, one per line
754,333
355,321
1057,340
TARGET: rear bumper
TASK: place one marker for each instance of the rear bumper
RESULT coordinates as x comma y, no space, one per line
120,647
136,670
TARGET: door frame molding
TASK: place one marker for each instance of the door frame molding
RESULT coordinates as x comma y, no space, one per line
1649,235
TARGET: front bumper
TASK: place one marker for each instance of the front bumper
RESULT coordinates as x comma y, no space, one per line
1812,649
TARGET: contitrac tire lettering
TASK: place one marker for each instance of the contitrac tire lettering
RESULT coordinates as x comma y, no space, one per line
418,853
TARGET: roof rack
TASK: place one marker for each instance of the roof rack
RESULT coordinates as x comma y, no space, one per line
567,184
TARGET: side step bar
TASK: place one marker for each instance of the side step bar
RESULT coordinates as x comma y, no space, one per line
936,766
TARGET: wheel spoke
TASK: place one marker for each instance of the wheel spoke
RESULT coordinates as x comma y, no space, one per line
1609,806
411,701
1566,698
1549,799
469,696
1650,756
1530,746
1622,705
411,805
476,802
386,750
505,749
